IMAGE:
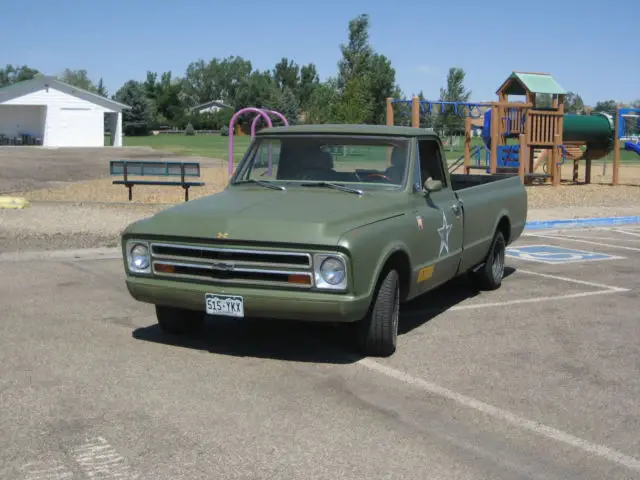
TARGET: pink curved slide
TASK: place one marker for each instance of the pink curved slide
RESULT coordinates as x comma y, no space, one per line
262,113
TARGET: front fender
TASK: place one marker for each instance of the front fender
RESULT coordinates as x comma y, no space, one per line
370,246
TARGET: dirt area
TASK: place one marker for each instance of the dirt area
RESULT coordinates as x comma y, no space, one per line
599,193
91,183
24,169
75,205
102,190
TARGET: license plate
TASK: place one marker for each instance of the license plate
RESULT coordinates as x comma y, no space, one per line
227,305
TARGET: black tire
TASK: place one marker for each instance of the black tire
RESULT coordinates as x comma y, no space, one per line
490,276
378,331
178,321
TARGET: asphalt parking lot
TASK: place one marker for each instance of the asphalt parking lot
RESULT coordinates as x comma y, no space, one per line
538,380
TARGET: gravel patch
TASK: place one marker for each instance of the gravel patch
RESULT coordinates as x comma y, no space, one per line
33,168
561,213
53,227
103,190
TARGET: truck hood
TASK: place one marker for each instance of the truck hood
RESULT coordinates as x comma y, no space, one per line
298,215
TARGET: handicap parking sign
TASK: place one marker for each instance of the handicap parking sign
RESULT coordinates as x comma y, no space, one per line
555,255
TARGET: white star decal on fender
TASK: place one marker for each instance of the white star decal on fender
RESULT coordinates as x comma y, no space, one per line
444,231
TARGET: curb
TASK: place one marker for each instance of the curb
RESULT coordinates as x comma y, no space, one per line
77,254
581,222
13,202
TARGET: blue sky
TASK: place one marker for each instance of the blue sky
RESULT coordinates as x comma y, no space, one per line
591,48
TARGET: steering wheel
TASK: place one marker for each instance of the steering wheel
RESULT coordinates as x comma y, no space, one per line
381,176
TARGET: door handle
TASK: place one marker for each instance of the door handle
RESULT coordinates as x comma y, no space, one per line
456,209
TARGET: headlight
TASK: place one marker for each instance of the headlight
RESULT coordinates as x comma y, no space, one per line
138,257
331,271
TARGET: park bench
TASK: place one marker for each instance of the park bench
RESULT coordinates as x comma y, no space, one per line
145,168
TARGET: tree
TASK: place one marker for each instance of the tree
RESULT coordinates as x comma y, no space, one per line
286,103
322,102
356,53
309,81
256,91
138,120
370,73
215,80
101,89
382,84
607,106
455,91
78,78
573,103
10,74
286,74
355,104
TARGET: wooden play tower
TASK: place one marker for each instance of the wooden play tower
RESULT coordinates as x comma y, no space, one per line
522,134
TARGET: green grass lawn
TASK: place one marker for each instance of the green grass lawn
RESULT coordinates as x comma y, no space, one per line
217,146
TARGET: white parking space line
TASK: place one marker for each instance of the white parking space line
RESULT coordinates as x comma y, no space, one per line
565,296
604,290
578,239
625,232
41,470
555,255
598,237
98,459
574,280
633,237
517,421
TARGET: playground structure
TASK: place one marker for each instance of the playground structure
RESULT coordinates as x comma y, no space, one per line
521,137
623,130
261,113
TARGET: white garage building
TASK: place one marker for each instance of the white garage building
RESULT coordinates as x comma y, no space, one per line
59,114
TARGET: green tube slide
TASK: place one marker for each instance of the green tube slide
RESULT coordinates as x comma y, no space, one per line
595,130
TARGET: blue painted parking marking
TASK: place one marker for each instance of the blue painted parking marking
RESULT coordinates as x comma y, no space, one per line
556,255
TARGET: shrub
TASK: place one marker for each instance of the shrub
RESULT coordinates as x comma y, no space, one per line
190,131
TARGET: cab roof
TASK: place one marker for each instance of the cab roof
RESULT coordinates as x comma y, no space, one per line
348,129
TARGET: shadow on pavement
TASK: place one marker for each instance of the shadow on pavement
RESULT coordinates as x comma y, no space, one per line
422,309
304,341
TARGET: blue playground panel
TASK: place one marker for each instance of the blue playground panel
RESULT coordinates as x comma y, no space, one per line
622,124
509,156
556,255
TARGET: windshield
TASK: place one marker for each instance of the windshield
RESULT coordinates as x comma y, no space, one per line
365,162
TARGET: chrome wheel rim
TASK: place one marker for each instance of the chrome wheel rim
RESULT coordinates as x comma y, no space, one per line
498,262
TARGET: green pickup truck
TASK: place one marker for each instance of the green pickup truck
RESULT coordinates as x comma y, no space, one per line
328,223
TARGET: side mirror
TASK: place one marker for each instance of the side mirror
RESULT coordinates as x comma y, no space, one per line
431,185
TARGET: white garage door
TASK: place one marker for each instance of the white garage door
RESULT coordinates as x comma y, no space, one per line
76,127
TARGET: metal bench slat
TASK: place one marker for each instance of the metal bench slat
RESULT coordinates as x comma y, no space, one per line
156,182
154,168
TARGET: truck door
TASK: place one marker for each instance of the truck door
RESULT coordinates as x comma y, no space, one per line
440,221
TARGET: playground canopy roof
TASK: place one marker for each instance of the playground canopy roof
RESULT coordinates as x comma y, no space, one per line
520,83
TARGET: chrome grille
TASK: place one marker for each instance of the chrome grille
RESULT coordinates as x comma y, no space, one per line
232,265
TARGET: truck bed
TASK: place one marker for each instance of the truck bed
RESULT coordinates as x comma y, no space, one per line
461,181
485,200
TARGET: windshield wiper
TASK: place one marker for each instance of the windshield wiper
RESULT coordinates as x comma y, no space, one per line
337,186
263,183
